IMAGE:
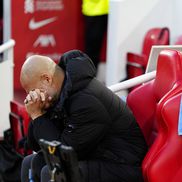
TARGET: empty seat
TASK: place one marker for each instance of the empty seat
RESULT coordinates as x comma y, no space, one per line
166,164
147,100
19,121
136,63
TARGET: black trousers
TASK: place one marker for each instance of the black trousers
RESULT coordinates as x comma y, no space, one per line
39,170
95,29
37,165
91,171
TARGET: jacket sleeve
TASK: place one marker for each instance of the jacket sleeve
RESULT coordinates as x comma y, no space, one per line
32,143
42,128
86,126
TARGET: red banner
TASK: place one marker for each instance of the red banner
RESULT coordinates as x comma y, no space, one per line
45,27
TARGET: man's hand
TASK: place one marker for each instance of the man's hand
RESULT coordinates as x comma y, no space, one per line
36,103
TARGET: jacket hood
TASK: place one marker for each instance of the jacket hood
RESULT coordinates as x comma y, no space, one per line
79,69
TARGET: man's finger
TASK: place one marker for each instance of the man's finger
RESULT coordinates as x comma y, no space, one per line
28,98
37,91
42,96
33,95
25,101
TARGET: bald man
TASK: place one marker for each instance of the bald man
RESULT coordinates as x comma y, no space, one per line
67,103
42,79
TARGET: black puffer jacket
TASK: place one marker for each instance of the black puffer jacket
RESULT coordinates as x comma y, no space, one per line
96,122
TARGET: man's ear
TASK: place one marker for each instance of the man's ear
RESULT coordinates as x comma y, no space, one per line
46,79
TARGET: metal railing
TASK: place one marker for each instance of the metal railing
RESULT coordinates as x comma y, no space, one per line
8,48
8,45
6,82
132,82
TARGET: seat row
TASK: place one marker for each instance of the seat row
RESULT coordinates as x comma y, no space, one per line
156,106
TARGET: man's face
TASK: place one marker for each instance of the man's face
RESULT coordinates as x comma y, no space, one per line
47,88
34,85
31,85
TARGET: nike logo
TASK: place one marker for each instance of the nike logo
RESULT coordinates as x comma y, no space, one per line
35,25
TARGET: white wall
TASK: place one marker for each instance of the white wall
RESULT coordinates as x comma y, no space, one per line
129,20
6,93
6,71
7,20
177,19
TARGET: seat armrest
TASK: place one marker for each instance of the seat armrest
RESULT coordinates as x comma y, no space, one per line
136,59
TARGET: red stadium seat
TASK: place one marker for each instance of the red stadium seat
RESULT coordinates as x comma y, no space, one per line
136,63
19,121
147,100
166,164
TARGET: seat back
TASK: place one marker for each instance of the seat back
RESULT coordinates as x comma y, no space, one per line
137,63
155,36
148,95
20,110
19,121
167,163
158,139
146,100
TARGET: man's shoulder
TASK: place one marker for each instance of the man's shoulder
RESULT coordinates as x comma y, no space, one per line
95,95
83,99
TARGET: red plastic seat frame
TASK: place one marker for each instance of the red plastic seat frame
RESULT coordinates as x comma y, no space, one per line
147,100
19,121
136,63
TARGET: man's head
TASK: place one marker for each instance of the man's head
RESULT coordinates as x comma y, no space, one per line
40,72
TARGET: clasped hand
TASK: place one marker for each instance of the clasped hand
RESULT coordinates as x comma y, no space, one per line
36,103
